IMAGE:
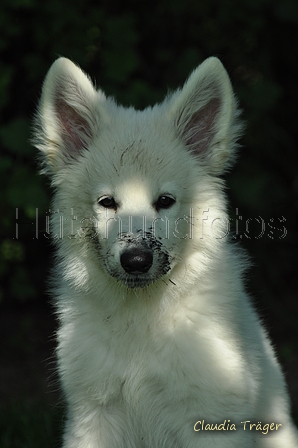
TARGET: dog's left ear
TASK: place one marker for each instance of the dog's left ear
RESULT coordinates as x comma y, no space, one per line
206,117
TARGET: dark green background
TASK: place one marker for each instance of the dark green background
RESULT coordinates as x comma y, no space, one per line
137,51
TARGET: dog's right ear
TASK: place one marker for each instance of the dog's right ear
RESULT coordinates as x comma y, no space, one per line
67,116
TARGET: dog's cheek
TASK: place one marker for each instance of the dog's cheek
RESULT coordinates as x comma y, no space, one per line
110,254
164,263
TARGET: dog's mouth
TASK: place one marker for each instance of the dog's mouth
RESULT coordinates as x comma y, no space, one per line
137,281
134,280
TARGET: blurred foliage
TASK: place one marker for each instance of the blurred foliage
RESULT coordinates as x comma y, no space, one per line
136,51
24,427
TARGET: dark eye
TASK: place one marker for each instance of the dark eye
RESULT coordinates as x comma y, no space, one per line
107,202
164,201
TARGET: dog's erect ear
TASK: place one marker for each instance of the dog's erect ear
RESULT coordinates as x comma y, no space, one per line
68,114
205,116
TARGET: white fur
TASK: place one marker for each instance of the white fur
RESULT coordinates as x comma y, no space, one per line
142,355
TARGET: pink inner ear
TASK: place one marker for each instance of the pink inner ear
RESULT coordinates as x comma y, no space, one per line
200,129
74,129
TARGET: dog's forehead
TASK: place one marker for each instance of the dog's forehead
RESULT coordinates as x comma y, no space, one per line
131,158
142,136
134,190
144,147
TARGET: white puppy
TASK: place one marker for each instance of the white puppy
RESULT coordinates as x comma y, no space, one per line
159,345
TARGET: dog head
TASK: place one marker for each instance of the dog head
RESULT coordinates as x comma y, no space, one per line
129,184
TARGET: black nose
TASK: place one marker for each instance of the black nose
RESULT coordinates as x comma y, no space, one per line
136,261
